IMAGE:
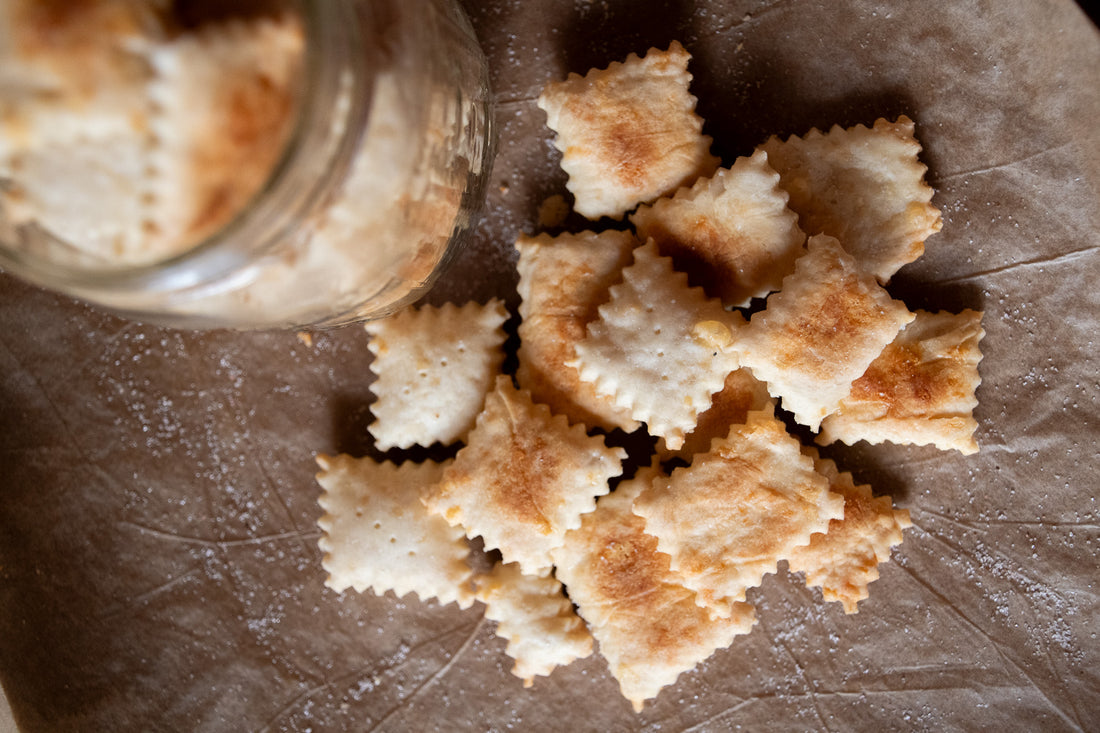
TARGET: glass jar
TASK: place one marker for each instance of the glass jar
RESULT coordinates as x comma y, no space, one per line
383,168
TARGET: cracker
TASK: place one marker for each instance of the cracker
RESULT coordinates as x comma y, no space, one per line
732,233
650,628
843,560
434,367
920,390
524,478
863,186
821,331
628,133
741,394
562,280
69,69
74,119
659,347
65,188
378,535
537,620
738,509
225,100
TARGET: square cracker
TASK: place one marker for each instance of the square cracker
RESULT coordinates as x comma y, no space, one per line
524,478
728,518
225,99
562,280
377,534
660,348
920,390
537,620
732,233
434,367
821,331
844,560
650,628
863,186
628,133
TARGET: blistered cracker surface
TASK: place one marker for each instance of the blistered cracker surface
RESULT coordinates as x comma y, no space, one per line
628,133
645,351
728,518
434,366
534,616
864,186
378,536
843,560
920,390
732,232
562,281
649,626
524,478
820,332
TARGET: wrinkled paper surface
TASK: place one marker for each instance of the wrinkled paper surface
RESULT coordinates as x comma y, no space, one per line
159,567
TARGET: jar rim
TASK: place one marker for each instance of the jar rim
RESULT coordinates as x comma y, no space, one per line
312,157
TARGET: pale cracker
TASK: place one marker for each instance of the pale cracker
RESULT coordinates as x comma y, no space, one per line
845,559
378,535
524,478
74,119
741,394
732,233
863,186
920,390
562,280
535,618
628,133
659,347
821,331
738,509
650,628
434,367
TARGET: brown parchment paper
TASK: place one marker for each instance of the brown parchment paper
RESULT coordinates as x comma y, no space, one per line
158,561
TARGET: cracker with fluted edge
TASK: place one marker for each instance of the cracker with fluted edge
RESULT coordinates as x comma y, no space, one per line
821,331
434,367
920,390
535,618
843,560
864,186
224,99
524,478
562,280
728,518
650,627
377,535
732,232
659,347
628,133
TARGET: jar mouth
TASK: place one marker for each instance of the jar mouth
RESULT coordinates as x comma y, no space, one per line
313,154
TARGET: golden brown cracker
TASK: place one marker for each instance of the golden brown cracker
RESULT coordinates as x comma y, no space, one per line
732,232
650,627
524,478
628,133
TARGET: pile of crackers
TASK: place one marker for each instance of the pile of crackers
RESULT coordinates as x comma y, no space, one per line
737,299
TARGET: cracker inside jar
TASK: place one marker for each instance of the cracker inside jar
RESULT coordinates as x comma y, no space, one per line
131,137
